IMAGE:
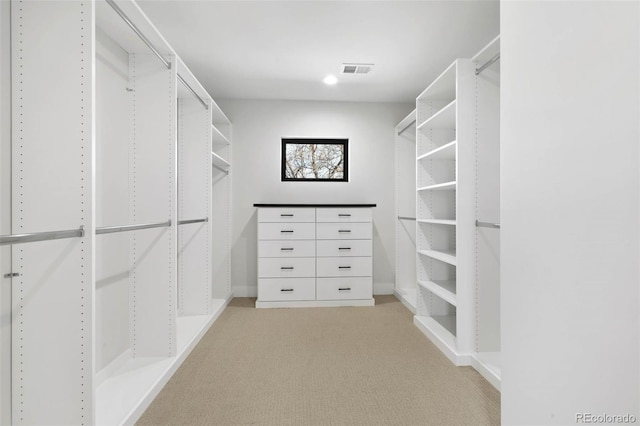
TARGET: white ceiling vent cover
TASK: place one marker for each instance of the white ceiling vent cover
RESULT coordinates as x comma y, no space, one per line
356,68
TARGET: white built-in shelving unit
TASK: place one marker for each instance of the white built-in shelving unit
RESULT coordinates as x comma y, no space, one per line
405,287
104,318
457,192
444,226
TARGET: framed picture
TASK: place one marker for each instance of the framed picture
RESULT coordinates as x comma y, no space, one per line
317,160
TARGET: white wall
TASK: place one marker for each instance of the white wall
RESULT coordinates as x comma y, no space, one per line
5,213
570,210
258,127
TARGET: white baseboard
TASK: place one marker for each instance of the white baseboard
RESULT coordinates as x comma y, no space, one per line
383,288
245,291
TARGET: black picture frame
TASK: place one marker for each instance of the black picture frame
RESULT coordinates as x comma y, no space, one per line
342,142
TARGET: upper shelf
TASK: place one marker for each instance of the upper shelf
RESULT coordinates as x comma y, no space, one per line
445,152
443,119
218,138
443,87
219,161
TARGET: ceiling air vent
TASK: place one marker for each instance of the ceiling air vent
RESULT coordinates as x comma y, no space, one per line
356,68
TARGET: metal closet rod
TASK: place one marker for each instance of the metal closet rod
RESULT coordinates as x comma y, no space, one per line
409,125
193,92
135,29
487,225
186,222
406,218
40,236
123,228
220,168
487,64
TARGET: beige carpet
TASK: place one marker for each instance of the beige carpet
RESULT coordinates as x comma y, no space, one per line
321,366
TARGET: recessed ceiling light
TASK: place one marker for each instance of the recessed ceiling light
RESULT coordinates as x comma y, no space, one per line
330,79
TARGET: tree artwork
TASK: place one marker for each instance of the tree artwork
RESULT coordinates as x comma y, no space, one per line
314,159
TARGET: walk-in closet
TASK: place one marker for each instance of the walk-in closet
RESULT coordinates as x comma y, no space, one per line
311,212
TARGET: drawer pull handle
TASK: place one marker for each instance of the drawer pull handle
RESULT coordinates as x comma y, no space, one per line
344,214
285,232
344,230
286,249
344,248
286,289
286,215
344,267
344,289
286,267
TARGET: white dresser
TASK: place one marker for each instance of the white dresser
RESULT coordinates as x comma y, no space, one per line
314,255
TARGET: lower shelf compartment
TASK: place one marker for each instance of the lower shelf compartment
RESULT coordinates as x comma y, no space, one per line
408,297
123,396
440,330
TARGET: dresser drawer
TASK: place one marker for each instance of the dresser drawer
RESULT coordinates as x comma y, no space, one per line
343,248
293,248
344,267
343,231
285,289
344,288
287,215
274,267
287,231
343,215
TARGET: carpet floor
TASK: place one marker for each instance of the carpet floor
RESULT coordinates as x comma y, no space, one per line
321,366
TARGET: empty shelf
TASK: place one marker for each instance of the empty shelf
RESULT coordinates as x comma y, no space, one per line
445,152
443,119
444,289
451,222
218,138
447,186
447,256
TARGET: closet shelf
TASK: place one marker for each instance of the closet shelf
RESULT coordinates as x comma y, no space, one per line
219,161
438,221
445,152
443,88
444,289
442,327
218,138
447,256
443,119
450,186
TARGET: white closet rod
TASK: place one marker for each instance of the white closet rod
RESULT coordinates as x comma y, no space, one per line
487,64
40,236
409,125
406,218
186,222
487,225
193,92
123,228
220,168
135,29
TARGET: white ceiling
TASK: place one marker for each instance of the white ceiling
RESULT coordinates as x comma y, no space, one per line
282,49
